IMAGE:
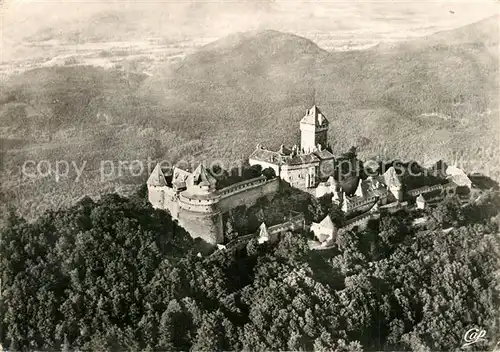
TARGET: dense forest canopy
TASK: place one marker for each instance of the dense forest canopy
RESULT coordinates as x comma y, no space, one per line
115,274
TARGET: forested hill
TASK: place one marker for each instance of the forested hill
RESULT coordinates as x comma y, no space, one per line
444,85
117,275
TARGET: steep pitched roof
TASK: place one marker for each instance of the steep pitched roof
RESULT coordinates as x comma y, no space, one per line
458,176
263,230
157,178
202,176
361,189
391,178
327,223
315,117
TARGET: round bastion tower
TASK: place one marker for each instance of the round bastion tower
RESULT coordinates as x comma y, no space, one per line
198,207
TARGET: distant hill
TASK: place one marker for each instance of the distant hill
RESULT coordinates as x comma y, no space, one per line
261,82
119,22
484,32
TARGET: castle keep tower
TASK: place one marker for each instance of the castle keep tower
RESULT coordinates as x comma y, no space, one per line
313,131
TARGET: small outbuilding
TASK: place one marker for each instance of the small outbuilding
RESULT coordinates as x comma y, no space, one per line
324,230
421,202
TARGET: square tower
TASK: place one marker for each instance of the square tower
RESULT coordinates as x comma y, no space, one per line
313,131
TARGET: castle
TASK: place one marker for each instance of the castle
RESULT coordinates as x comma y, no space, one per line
302,167
311,167
193,199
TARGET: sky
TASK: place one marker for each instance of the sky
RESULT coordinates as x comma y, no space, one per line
330,24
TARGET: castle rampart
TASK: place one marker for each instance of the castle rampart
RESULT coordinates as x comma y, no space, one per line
294,223
240,186
197,203
207,226
361,220
356,204
427,189
247,193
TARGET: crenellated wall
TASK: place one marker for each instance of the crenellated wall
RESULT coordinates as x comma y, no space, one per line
351,206
427,189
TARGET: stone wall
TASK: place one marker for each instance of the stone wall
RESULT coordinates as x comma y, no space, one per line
248,195
300,176
360,221
295,223
354,205
208,227
156,196
193,204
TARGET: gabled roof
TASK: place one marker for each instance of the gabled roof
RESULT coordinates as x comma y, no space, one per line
391,178
315,117
202,176
327,223
267,156
180,177
263,231
324,154
458,176
157,178
302,159
420,198
284,150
